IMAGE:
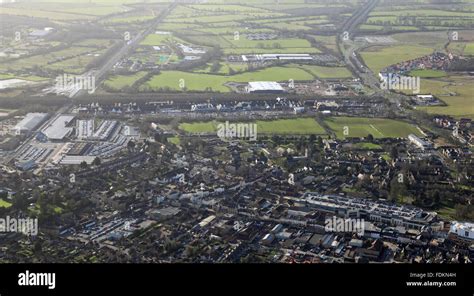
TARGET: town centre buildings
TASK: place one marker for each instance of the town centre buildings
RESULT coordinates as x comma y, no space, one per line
372,210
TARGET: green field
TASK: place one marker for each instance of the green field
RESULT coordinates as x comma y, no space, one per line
157,39
302,126
327,72
455,92
4,204
174,140
377,58
225,68
428,73
367,146
201,82
378,127
130,19
469,49
121,81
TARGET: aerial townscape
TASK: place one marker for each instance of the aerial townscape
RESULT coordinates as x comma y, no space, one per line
240,131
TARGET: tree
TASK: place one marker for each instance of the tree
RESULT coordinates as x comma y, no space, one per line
96,161
394,152
20,202
83,165
276,139
131,145
215,67
398,190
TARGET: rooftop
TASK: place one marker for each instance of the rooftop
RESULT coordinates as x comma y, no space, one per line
58,130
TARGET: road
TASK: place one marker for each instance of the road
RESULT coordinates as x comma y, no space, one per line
359,16
99,74
350,49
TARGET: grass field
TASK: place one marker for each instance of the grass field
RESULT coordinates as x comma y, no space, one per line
302,126
428,73
455,91
4,204
286,45
174,140
129,19
377,127
201,82
71,60
469,49
377,58
460,102
224,69
367,146
121,81
327,72
421,12
157,39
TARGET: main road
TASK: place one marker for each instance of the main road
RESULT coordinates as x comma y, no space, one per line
99,74
349,48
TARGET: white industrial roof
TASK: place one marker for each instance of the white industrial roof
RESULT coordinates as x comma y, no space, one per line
31,121
264,85
58,130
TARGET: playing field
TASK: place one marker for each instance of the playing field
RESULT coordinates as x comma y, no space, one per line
377,127
297,126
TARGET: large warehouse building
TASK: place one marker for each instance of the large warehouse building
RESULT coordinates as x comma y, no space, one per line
264,87
59,129
29,123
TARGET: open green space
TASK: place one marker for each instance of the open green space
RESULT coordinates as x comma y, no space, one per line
326,72
367,146
4,204
377,57
427,73
120,81
281,126
356,127
200,81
